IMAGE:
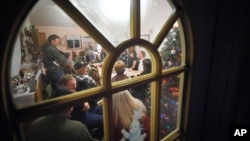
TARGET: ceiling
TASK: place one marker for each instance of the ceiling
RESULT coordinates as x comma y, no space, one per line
47,13
110,17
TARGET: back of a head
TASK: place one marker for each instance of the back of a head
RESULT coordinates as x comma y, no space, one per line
56,127
74,52
81,53
67,54
124,102
147,64
119,67
80,64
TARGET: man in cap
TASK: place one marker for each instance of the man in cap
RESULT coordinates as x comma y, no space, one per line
93,117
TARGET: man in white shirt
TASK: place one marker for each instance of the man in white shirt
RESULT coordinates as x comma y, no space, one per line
141,56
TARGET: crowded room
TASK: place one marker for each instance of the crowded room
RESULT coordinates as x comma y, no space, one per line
109,82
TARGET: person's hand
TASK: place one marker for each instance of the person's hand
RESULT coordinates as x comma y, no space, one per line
100,102
86,106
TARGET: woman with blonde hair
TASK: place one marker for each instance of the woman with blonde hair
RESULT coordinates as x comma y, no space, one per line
131,119
119,67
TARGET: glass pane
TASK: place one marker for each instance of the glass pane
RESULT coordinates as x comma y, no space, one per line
172,50
132,62
33,68
152,11
57,126
135,124
170,104
110,17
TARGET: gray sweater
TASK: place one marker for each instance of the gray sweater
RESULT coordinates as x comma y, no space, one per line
57,128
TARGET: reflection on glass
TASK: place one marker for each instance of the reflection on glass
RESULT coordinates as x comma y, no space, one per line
135,124
110,17
132,62
171,49
154,14
169,104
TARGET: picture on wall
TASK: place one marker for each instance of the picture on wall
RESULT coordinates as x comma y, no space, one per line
87,42
73,41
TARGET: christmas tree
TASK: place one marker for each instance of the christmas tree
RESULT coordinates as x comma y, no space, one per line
171,50
169,105
171,57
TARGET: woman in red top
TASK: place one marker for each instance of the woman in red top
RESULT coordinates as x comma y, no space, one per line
131,119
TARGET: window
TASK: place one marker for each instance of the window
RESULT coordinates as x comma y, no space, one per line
73,41
117,30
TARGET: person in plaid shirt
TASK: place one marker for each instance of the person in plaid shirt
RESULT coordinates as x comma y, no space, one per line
124,56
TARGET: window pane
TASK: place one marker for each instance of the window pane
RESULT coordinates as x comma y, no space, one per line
30,81
30,85
110,17
152,11
132,62
135,124
172,48
170,105
62,122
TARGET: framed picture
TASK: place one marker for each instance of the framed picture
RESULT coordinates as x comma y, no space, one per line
73,41
62,41
88,42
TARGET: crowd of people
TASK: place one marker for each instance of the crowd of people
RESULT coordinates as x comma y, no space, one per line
84,120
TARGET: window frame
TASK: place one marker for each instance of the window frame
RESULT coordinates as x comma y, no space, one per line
19,115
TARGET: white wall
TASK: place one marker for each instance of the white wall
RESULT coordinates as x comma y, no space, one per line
62,32
16,58
15,63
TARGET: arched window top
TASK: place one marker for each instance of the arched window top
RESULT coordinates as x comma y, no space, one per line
114,19
153,26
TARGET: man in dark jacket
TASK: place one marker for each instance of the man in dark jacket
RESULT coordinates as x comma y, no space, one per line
53,60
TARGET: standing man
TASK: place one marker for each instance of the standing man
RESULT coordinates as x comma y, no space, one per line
53,60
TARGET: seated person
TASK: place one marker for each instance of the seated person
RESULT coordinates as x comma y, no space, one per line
93,117
81,69
135,124
147,66
57,126
142,91
119,69
69,82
